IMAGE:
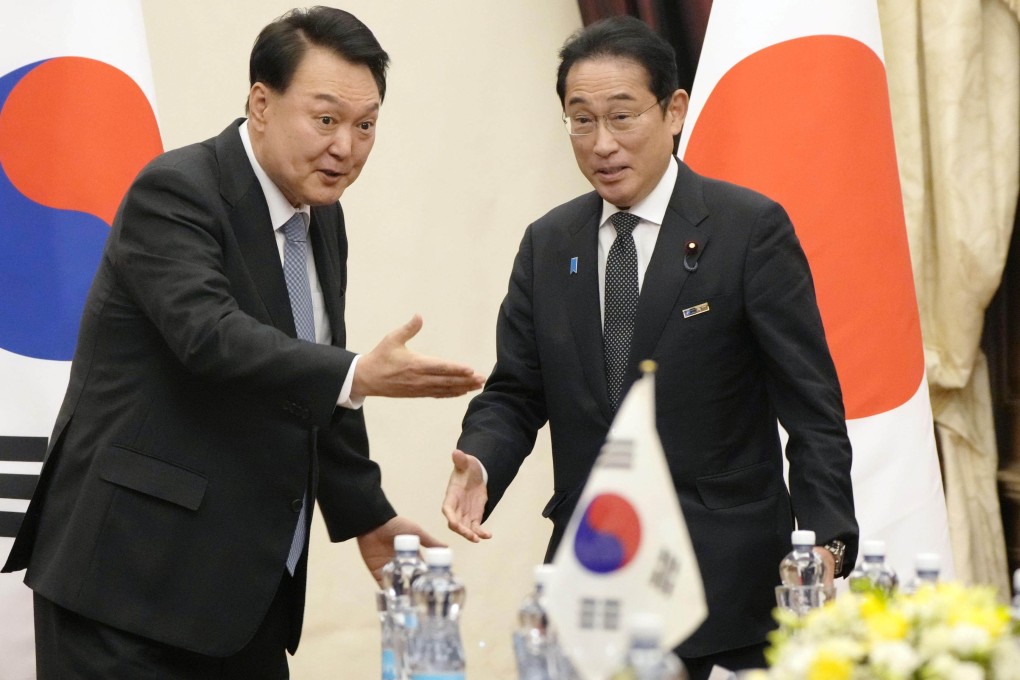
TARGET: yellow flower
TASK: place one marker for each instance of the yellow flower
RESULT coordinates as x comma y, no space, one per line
883,621
829,666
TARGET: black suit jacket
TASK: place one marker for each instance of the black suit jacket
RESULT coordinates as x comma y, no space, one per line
194,420
724,378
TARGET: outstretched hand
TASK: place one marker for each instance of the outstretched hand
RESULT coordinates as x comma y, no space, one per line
376,546
392,370
466,495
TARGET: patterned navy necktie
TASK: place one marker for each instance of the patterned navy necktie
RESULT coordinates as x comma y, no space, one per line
621,303
295,271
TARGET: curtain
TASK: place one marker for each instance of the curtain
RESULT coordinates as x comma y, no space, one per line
954,82
681,22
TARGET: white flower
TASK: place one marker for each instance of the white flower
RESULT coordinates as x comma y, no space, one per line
1006,660
969,640
946,667
894,659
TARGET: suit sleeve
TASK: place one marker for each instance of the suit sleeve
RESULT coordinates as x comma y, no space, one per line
802,381
168,251
350,493
502,422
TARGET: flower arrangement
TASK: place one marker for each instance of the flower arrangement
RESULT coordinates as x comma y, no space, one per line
944,631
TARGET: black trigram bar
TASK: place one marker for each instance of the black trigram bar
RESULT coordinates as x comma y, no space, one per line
10,522
18,486
23,449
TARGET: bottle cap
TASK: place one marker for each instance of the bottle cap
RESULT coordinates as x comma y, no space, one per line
873,548
803,537
645,626
928,562
543,574
438,557
406,543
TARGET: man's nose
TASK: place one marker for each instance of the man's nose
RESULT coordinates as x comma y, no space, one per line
340,145
605,140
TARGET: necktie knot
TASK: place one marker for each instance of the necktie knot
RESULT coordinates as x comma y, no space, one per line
294,229
624,222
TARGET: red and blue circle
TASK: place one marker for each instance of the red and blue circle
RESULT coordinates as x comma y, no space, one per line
74,132
609,534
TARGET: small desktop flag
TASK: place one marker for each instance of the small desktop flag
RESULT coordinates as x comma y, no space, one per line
626,550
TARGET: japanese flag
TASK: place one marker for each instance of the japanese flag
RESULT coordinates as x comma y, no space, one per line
790,99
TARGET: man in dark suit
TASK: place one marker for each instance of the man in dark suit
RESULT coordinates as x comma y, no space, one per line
212,399
709,280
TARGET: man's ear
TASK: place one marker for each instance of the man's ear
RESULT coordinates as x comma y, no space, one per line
258,102
677,111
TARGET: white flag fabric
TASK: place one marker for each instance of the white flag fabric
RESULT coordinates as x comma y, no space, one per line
626,550
77,123
790,98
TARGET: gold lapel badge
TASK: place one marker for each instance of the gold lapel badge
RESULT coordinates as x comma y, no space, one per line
695,310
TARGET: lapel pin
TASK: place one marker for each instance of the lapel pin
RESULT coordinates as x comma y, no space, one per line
691,250
573,265
695,310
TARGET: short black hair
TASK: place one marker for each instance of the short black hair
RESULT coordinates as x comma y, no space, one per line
282,44
624,37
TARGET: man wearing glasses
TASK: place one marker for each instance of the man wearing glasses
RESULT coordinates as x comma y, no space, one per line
709,280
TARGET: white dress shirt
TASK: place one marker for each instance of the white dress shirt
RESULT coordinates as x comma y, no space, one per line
651,211
280,210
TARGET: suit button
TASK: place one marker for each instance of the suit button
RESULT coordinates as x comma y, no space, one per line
296,504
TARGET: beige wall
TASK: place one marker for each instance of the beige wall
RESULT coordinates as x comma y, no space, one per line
469,151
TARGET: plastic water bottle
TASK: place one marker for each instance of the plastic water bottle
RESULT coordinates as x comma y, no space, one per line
531,639
390,655
536,649
437,652
802,572
397,576
926,571
646,660
873,573
802,566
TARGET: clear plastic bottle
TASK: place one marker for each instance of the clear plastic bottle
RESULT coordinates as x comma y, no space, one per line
873,573
646,660
802,566
536,649
926,571
397,576
437,652
390,663
531,639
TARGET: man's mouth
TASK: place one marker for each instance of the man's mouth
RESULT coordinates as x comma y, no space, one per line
610,172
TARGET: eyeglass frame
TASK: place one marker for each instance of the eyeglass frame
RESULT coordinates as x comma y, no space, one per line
605,116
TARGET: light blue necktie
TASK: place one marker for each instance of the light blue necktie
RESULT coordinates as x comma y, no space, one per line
295,271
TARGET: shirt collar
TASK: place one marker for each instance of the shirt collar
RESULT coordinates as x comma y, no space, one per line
653,207
280,209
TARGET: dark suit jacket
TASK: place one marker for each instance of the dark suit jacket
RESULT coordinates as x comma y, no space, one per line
723,379
194,419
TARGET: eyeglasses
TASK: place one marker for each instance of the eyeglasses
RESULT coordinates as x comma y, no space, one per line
581,124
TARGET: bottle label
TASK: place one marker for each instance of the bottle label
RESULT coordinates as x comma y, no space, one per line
389,665
452,675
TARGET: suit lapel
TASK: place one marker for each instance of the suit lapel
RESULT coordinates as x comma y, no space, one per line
583,305
249,218
666,274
